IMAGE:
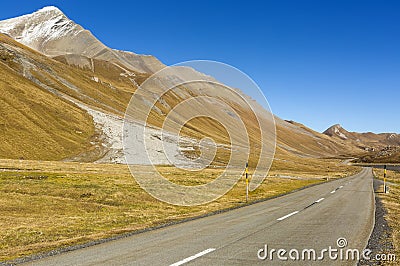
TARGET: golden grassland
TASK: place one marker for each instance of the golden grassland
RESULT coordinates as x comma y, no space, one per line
48,205
391,201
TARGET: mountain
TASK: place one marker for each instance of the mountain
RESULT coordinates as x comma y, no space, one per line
66,93
337,131
367,141
379,148
50,32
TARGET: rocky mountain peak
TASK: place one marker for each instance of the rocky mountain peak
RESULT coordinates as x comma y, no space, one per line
52,33
336,130
49,9
39,28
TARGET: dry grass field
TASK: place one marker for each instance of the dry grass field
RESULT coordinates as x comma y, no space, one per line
48,205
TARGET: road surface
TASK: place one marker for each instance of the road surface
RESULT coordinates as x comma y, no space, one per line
313,218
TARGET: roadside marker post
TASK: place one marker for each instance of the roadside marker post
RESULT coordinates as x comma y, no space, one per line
247,182
384,179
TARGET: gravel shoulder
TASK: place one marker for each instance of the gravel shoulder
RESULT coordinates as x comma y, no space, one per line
381,238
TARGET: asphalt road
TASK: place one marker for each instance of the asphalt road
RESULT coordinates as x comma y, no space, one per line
313,218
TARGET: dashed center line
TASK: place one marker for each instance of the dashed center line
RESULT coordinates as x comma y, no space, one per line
193,257
287,216
318,201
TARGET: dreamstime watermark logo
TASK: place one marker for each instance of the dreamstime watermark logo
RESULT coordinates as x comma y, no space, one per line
339,252
173,100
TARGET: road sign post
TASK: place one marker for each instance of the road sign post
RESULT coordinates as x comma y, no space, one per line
247,182
384,179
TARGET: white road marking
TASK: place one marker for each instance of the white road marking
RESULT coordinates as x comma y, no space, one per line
340,186
287,216
333,191
318,201
193,257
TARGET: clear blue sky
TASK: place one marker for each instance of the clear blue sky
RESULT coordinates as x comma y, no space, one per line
318,62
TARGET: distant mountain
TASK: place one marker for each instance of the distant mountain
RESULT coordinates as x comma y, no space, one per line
370,141
337,131
383,147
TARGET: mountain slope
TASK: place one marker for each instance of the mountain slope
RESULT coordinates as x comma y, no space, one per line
98,82
109,92
36,124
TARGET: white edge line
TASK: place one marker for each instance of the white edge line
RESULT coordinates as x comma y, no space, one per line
318,201
333,191
287,216
193,257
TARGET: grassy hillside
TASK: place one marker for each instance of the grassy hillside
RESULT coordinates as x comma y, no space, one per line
37,120
35,124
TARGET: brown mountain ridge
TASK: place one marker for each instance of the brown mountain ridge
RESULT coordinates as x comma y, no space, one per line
64,90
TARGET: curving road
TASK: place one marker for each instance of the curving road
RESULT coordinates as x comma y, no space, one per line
313,218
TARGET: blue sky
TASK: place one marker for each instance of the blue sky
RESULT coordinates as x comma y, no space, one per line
318,62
